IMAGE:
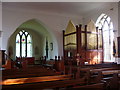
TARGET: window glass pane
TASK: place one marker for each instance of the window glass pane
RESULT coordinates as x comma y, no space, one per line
106,27
108,19
26,33
18,45
99,26
111,25
20,32
107,36
29,46
26,46
23,30
102,21
111,34
99,19
105,16
23,45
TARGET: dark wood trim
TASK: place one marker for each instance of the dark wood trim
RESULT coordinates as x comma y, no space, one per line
89,32
118,41
26,46
69,34
102,46
63,44
20,45
80,39
77,38
2,56
85,37
97,36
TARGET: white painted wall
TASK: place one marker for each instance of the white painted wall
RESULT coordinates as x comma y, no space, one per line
119,19
0,25
55,23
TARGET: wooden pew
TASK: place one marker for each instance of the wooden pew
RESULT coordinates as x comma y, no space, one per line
113,83
110,72
29,72
45,85
35,79
98,74
110,78
8,64
97,86
101,69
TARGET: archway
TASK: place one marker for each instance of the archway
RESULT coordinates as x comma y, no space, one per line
104,22
40,35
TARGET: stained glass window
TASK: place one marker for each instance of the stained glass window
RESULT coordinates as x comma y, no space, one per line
104,22
23,44
18,45
29,46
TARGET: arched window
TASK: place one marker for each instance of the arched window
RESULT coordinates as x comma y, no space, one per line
104,22
23,44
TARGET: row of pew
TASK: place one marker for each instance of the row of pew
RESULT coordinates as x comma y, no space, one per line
75,77
55,84
98,79
31,71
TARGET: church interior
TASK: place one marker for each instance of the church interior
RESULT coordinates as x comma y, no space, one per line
60,45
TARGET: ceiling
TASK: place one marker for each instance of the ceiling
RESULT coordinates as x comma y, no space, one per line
76,8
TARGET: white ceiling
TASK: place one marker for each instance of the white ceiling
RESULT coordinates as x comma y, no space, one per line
76,8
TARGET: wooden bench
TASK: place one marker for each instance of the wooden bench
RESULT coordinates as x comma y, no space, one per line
97,86
98,74
35,79
111,78
108,72
48,66
28,75
29,72
46,85
101,69
113,83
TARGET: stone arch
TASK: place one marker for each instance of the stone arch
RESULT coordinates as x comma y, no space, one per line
105,23
40,33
